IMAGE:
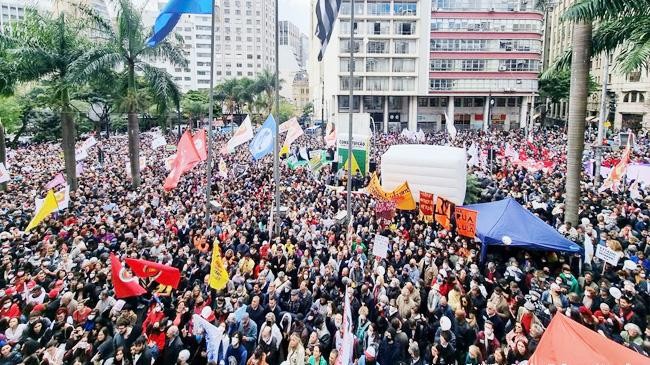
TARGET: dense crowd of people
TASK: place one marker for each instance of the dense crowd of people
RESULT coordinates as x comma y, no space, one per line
429,302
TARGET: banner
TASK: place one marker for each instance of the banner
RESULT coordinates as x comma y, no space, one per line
385,210
56,181
289,124
158,142
316,163
380,247
242,135
426,206
360,154
442,212
401,196
218,274
47,207
466,222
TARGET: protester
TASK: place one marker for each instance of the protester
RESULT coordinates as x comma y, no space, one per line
430,301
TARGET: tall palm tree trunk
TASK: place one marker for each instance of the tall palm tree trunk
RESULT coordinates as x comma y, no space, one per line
578,94
68,133
134,131
3,152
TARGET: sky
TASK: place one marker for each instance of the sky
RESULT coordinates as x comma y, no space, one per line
297,12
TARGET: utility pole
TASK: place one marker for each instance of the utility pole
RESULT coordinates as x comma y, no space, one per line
601,118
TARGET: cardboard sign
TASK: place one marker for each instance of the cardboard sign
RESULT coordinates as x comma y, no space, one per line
380,248
607,254
443,211
466,222
426,206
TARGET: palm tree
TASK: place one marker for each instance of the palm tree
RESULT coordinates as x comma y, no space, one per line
125,48
578,96
228,92
45,48
265,83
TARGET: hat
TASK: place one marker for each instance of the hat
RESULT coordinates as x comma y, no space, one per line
615,292
534,295
445,323
629,265
184,355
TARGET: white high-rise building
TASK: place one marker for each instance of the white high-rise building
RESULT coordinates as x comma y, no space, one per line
292,57
244,42
11,11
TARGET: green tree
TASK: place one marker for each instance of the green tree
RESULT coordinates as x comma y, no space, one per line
287,110
308,110
195,104
45,48
228,93
125,48
556,84
265,83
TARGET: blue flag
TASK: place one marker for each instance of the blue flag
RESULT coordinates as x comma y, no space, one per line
263,142
170,15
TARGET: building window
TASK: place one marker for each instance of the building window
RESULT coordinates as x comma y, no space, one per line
344,103
378,8
373,103
473,65
403,8
403,65
441,65
634,76
633,97
345,65
376,65
345,45
345,83
403,83
441,84
378,27
423,102
405,28
519,65
377,83
377,46
404,47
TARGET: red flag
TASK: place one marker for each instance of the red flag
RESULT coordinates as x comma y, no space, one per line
200,143
125,285
165,275
186,157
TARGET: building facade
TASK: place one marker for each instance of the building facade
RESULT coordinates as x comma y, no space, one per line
627,103
300,91
292,60
418,60
244,42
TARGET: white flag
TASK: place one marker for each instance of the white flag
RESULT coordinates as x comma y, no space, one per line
4,174
62,199
213,336
243,134
294,132
451,129
80,154
88,143
291,123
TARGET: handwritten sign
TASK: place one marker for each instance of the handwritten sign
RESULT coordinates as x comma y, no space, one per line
426,206
466,222
607,254
380,248
443,212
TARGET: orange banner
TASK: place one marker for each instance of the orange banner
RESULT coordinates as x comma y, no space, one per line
402,195
466,222
426,206
443,212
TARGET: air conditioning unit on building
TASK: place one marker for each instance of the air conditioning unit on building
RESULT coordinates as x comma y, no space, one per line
502,68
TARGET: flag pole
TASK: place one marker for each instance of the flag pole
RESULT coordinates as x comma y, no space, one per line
208,187
350,110
276,146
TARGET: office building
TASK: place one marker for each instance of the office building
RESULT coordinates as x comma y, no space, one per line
627,103
292,58
244,42
417,61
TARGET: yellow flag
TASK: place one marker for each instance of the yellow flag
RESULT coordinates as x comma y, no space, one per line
402,197
49,206
284,150
218,273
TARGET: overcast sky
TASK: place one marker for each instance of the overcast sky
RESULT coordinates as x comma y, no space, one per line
297,12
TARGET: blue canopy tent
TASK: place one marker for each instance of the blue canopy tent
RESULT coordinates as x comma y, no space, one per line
508,218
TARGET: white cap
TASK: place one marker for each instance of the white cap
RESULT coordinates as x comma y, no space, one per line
184,355
445,323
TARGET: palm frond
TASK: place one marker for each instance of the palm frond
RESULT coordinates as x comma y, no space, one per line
167,51
591,10
95,61
160,83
